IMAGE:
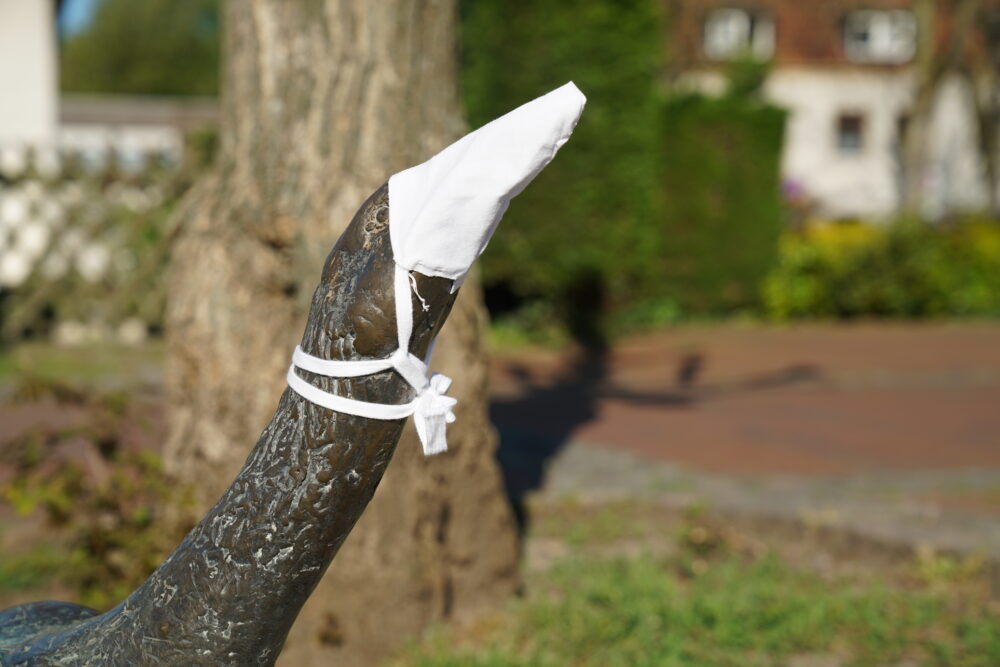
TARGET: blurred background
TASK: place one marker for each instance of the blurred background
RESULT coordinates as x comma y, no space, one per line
744,336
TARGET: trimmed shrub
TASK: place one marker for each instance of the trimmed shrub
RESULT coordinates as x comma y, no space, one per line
722,212
907,270
658,208
582,236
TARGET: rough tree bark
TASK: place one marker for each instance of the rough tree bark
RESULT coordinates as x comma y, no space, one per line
982,73
915,137
321,102
984,81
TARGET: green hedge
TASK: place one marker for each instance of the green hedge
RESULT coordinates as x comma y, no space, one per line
584,229
657,207
722,213
905,270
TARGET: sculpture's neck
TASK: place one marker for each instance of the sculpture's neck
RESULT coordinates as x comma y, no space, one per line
242,575
230,592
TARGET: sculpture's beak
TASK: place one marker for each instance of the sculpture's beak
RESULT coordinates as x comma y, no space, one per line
443,212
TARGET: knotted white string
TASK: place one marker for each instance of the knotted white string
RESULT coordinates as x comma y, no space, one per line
431,408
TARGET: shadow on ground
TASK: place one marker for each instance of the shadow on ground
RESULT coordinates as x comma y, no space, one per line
542,418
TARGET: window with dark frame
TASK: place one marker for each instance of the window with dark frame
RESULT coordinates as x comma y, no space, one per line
731,32
886,36
850,133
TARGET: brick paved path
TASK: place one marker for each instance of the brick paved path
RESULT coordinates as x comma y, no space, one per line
813,400
892,430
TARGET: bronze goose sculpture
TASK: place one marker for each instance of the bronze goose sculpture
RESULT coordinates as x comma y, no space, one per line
229,593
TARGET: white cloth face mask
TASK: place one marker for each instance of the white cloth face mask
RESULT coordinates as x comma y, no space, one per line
442,214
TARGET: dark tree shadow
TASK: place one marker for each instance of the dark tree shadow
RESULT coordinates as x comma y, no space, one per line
536,424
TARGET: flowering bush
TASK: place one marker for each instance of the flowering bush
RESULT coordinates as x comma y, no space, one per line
901,270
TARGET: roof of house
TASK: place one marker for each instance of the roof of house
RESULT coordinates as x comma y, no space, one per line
807,32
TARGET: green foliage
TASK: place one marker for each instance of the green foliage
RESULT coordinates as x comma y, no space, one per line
644,611
717,597
588,217
903,270
535,323
107,501
722,210
99,365
151,47
657,207
31,570
105,248
942,569
114,543
745,77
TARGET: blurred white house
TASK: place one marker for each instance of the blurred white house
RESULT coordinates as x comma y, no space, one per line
844,69
34,114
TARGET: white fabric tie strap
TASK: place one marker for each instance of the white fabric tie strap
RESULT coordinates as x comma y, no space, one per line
431,408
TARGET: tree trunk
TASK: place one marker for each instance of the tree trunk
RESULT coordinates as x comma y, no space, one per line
915,137
983,84
982,74
934,59
322,101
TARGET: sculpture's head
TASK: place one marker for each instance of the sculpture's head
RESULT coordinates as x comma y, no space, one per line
434,220
444,211
383,300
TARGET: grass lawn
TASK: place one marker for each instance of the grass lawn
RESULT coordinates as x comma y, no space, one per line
708,602
86,365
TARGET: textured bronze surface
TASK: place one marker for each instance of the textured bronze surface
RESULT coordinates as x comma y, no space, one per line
230,592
